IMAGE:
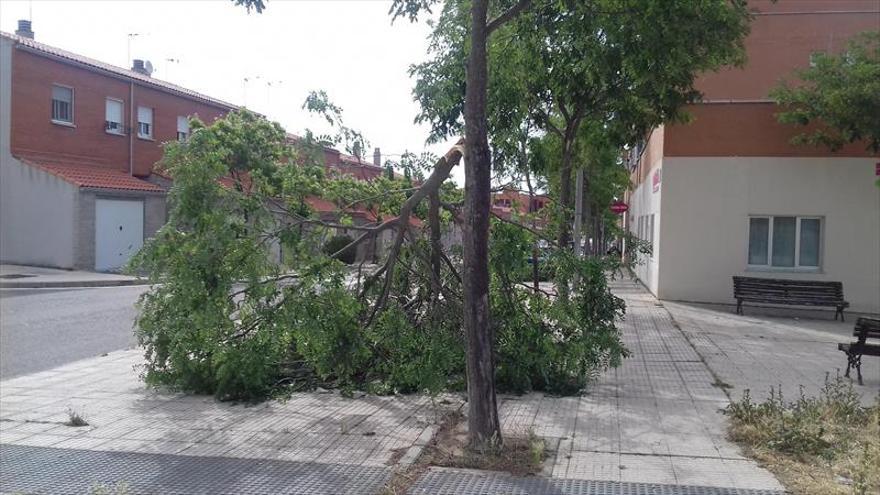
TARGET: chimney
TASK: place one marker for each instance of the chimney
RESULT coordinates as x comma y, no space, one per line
24,29
377,157
139,67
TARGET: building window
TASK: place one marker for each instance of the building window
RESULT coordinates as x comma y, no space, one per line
62,104
113,116
784,242
145,122
182,128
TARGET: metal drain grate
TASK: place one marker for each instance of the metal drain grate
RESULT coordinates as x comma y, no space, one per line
26,469
440,481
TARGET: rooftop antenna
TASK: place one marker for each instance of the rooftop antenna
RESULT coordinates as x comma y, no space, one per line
269,85
128,52
168,67
244,83
130,37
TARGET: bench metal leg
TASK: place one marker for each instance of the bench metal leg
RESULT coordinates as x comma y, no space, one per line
739,306
854,360
839,312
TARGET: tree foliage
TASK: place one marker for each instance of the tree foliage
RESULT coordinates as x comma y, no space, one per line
226,316
838,97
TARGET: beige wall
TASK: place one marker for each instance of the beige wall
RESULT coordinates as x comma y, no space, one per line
707,201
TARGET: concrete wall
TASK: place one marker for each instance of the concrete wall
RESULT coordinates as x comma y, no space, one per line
36,208
707,202
36,216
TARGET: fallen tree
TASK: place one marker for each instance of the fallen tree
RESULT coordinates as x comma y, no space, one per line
230,319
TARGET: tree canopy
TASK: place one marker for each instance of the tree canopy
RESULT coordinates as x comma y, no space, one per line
838,97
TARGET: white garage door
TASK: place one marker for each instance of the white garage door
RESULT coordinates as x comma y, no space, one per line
119,232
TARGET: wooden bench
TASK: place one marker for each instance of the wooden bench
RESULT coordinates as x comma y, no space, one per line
866,329
789,292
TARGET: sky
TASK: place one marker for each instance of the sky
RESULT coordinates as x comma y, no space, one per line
348,48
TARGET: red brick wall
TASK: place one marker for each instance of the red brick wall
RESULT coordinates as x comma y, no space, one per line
743,129
33,133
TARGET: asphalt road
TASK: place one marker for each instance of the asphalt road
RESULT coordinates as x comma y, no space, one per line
44,328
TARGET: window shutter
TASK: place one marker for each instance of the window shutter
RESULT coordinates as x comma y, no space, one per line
145,115
114,111
61,94
182,125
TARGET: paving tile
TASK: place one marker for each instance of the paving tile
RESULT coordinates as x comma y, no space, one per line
593,466
646,469
702,472
40,440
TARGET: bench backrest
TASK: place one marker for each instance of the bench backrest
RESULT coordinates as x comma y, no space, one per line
867,328
806,289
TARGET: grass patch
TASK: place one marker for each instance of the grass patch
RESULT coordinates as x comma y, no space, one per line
823,445
120,488
75,419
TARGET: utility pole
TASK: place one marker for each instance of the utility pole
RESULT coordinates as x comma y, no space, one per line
578,215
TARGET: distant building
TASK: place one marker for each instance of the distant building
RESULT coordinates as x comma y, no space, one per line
78,142
512,202
729,195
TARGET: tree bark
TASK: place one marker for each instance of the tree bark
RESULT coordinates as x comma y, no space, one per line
565,204
483,426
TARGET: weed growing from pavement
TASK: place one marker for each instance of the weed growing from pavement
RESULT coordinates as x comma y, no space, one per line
75,419
120,488
719,383
521,454
822,445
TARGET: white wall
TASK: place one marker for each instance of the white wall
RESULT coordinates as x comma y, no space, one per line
36,208
707,202
644,202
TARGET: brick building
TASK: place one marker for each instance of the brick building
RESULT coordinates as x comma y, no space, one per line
78,142
728,194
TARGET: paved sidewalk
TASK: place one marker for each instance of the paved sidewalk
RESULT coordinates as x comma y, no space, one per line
34,277
656,419
772,348
315,432
651,426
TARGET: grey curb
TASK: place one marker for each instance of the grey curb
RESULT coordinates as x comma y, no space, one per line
71,284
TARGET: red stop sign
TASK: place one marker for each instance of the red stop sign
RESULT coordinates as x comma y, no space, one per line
619,207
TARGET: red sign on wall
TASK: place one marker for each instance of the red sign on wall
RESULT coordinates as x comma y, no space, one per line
655,180
619,207
877,169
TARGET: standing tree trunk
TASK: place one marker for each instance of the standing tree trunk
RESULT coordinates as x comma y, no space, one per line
565,204
483,426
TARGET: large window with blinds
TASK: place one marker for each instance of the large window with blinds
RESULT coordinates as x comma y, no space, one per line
785,242
62,104
113,116
145,122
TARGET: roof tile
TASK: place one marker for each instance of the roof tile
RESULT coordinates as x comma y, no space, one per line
119,71
94,176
